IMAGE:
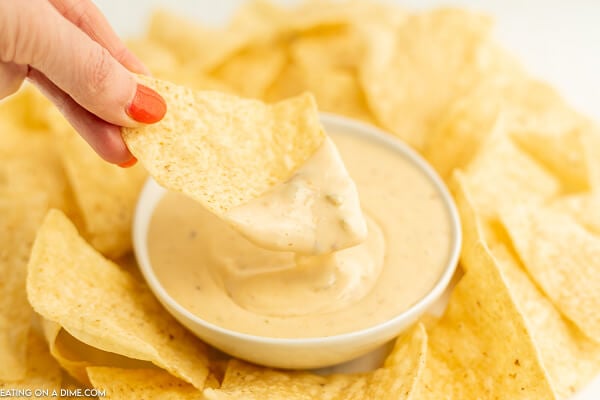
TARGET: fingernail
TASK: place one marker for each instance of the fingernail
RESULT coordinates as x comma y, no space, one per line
147,106
129,163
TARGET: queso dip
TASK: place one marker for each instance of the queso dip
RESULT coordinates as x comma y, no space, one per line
216,273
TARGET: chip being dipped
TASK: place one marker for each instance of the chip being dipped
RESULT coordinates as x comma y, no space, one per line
269,170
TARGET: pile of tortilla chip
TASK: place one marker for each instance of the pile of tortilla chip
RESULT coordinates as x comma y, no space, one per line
523,322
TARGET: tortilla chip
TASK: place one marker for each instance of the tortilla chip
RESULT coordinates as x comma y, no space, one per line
29,163
129,264
106,195
193,44
75,356
402,369
338,91
336,47
69,388
159,59
584,207
251,71
312,14
329,50
25,110
556,140
103,306
244,381
164,64
324,61
222,150
591,144
563,258
395,380
43,373
36,177
20,216
570,358
262,18
408,85
291,82
470,119
481,347
134,384
502,175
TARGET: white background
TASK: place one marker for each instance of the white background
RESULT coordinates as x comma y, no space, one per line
557,40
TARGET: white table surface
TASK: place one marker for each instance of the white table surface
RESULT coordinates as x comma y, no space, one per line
557,40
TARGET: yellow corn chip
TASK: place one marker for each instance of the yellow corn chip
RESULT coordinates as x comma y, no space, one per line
591,144
129,263
481,348
29,163
338,91
20,216
251,71
193,44
75,356
435,57
463,127
25,110
502,175
263,19
159,59
562,258
585,208
248,382
222,150
395,380
570,358
136,384
556,140
260,21
106,195
334,47
313,14
291,82
103,306
321,35
69,388
163,64
43,377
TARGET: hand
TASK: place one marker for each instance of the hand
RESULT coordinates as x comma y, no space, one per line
69,51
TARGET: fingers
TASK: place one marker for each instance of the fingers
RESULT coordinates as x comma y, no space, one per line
85,15
39,36
103,137
11,78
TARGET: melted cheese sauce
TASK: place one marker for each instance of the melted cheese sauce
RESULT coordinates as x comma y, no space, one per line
218,274
316,211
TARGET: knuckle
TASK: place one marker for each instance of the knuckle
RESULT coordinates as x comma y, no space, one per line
99,72
21,31
13,31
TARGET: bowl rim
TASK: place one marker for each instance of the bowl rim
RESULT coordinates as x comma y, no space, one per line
348,126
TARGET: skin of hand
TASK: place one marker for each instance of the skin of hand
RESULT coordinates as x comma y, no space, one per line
69,51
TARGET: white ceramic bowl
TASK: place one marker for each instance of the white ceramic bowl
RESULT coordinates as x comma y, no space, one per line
302,352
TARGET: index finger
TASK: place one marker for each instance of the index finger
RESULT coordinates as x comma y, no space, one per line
87,17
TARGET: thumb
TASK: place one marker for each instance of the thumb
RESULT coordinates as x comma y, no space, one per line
79,66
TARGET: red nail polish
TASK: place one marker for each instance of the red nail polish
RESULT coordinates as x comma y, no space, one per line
147,106
129,163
